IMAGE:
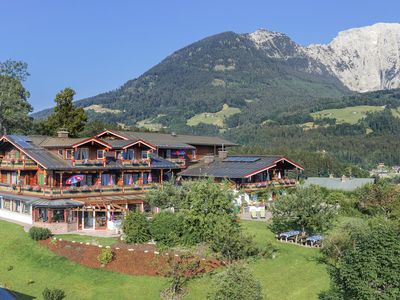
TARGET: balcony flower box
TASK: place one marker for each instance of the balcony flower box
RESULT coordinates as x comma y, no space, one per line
85,189
36,188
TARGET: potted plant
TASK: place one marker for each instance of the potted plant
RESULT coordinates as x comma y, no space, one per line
73,189
85,189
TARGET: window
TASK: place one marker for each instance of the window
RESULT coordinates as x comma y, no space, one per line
58,215
118,154
168,153
130,154
61,152
17,206
145,154
26,208
43,217
100,154
6,204
81,154
69,153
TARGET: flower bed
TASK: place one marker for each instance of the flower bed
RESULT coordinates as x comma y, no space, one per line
128,259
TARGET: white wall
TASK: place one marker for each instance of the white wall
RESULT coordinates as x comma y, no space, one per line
19,217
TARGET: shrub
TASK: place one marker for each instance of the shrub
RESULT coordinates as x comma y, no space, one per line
53,294
236,282
368,269
166,228
105,257
232,244
136,228
39,233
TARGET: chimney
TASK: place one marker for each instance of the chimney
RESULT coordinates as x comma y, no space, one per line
222,154
62,133
208,159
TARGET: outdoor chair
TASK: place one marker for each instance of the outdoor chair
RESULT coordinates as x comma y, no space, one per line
262,213
253,214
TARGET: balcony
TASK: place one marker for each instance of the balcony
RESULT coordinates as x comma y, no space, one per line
278,183
73,191
18,164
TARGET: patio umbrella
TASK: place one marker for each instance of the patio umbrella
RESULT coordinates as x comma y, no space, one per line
111,180
279,175
74,179
149,178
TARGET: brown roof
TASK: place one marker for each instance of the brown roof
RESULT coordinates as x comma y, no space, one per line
161,139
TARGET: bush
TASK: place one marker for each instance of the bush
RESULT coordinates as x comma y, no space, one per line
105,257
53,294
368,269
232,244
39,233
236,282
136,228
166,228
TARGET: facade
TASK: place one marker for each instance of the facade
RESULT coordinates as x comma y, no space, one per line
247,172
69,184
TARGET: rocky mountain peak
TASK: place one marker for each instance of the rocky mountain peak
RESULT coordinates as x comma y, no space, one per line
364,59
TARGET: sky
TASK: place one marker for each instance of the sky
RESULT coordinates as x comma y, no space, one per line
96,46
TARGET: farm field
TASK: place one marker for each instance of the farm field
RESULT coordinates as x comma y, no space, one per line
216,119
349,115
294,274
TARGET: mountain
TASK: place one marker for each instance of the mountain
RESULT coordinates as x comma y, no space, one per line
364,59
231,79
262,73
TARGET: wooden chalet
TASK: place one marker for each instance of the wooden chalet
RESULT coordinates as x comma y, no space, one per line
112,171
247,172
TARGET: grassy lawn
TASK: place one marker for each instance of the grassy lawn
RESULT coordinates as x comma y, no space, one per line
293,274
348,114
105,241
33,262
216,119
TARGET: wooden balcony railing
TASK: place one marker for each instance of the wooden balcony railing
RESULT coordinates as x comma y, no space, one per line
18,164
270,183
96,190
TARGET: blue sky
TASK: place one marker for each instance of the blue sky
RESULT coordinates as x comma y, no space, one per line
95,46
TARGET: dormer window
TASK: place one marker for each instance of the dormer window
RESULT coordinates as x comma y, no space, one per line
81,154
100,154
69,154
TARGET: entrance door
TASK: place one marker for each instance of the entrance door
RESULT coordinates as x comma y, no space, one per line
101,220
88,220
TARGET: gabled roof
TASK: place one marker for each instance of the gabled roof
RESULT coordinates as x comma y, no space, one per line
41,156
167,140
124,144
238,166
92,140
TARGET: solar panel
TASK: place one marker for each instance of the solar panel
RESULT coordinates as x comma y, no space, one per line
22,141
241,159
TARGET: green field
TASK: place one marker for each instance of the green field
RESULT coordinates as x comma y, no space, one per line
150,123
349,115
216,119
293,274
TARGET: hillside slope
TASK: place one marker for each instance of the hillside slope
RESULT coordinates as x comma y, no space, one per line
261,74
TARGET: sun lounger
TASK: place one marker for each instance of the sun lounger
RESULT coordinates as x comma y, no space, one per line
262,213
253,214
